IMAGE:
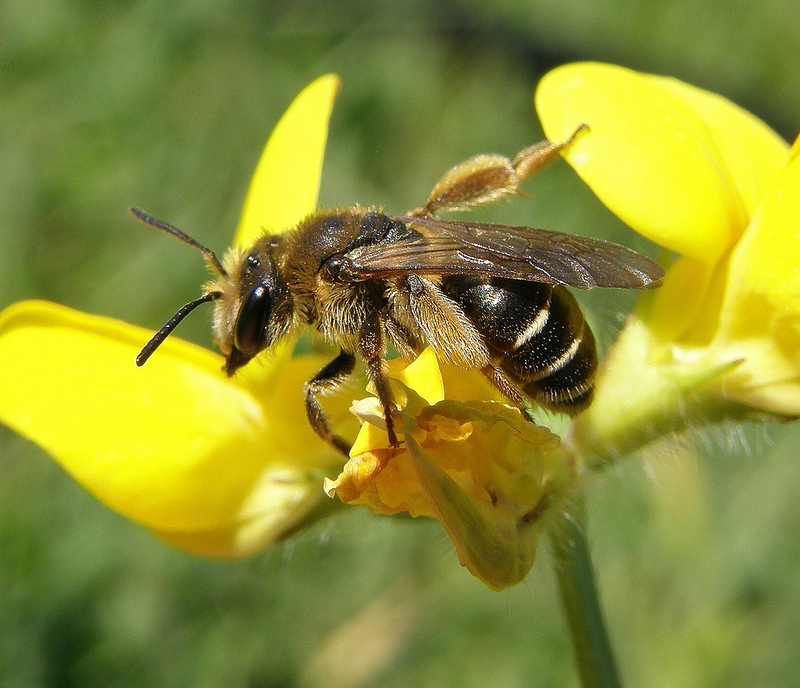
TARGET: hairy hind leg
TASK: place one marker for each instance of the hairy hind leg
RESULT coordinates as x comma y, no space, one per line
487,178
508,388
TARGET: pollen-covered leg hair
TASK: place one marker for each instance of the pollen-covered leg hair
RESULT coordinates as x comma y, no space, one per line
487,178
535,158
327,380
442,323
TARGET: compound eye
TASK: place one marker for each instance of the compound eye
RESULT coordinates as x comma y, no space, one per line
249,335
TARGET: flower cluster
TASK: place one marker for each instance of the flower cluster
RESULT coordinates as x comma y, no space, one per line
486,473
715,186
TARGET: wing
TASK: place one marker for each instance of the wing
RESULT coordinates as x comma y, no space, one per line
534,255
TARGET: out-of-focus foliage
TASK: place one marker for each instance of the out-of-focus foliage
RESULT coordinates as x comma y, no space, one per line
167,106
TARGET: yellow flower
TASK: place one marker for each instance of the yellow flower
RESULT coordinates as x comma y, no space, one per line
713,184
213,464
487,474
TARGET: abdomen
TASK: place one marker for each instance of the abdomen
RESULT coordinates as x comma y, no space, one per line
537,335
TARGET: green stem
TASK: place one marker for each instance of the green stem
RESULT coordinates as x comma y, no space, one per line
576,583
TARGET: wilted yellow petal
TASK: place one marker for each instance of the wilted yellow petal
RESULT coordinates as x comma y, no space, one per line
285,185
497,547
480,468
223,465
432,380
356,476
659,154
369,436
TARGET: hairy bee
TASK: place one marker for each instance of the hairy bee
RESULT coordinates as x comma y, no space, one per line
483,296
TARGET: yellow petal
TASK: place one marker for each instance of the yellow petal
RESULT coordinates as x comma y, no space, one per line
216,464
768,379
794,153
685,308
661,155
285,185
765,267
370,436
424,376
752,153
761,314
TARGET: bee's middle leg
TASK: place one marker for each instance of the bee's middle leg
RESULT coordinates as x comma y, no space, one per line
372,347
327,380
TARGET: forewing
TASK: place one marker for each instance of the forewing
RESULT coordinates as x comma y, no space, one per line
522,253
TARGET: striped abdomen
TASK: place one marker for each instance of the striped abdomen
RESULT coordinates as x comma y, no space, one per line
537,334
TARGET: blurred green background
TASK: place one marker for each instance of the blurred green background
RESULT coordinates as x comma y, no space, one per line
167,105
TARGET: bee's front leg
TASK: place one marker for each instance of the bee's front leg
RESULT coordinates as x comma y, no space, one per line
327,380
372,348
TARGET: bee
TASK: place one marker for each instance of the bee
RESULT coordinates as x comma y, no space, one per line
483,296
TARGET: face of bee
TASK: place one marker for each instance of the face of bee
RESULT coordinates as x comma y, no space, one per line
254,306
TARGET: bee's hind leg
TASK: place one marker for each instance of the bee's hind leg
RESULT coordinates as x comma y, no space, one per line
508,388
488,178
327,380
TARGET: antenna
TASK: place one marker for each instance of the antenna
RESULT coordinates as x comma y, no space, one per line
147,219
163,333
157,339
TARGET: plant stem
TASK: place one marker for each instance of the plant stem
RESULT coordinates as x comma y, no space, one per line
576,583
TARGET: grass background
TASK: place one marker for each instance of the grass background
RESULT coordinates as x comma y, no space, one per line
167,105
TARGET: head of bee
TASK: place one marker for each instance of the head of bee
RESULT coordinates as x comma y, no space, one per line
253,306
